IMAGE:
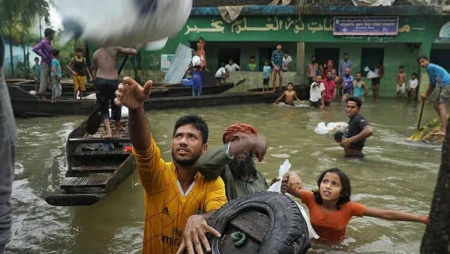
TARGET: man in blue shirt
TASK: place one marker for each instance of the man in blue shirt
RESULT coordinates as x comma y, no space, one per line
439,89
344,64
196,74
277,63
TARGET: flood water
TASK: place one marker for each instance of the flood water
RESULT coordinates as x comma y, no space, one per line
396,174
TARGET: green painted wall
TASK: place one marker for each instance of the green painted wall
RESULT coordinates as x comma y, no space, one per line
249,33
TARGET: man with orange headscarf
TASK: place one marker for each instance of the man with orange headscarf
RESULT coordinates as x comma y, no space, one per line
234,161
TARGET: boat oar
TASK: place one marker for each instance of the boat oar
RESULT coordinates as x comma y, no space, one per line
94,119
421,113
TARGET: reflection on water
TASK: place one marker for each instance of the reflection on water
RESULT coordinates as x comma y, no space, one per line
396,174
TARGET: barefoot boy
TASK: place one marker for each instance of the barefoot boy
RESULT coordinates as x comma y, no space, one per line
401,82
439,90
412,86
290,95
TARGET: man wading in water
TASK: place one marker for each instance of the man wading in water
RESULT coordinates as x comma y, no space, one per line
358,130
106,83
178,199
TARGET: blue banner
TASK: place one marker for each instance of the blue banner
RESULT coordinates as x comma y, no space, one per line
377,26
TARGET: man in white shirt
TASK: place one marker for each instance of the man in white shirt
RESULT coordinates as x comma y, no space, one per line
412,86
221,74
231,67
316,93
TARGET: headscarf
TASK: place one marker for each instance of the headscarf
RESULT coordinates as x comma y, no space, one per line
238,127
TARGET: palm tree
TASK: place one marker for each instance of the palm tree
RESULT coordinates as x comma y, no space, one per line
18,16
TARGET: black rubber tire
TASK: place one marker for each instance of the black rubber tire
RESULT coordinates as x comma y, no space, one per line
288,232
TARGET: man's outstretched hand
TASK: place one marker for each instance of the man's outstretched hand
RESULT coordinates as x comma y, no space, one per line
194,239
131,95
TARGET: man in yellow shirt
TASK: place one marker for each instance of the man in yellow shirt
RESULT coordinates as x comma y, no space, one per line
178,200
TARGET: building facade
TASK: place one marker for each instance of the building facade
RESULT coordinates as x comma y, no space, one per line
308,30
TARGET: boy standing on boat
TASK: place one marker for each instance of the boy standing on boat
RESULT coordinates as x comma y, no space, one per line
56,75
178,199
106,83
77,67
37,73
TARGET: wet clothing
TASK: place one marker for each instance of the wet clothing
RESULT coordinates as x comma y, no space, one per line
358,89
215,162
380,72
44,50
348,84
441,95
355,126
277,58
167,206
105,91
266,81
330,87
8,137
438,75
330,226
315,93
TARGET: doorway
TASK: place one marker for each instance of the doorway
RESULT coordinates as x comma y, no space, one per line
325,54
229,53
440,57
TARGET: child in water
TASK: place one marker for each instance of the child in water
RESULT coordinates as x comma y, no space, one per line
330,208
290,96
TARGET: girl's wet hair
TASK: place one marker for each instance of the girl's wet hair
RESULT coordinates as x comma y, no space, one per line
346,188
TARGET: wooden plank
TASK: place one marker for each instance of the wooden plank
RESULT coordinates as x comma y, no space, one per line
99,140
254,223
81,182
94,169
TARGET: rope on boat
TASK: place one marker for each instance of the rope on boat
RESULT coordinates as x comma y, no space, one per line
239,238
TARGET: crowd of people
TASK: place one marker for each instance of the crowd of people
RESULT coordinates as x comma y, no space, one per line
48,72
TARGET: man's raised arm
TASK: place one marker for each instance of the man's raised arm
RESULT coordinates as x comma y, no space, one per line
132,95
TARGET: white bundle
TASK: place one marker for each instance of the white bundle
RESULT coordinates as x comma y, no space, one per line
370,74
127,23
276,187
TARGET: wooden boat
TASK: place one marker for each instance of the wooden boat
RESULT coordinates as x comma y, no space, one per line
158,90
95,167
25,104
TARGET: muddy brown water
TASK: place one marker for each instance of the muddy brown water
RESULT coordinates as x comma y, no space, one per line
396,174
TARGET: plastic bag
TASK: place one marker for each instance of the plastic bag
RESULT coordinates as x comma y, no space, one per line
276,187
321,129
127,23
